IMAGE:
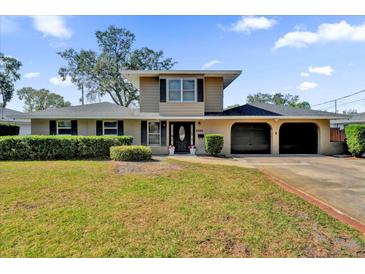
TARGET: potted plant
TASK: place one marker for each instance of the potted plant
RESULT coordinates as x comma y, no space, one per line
171,150
192,149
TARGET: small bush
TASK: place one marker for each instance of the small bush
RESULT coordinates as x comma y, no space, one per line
7,129
59,147
130,153
214,143
355,139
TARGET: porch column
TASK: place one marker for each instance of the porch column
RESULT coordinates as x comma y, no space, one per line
275,125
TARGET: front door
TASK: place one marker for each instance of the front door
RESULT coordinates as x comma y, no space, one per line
182,135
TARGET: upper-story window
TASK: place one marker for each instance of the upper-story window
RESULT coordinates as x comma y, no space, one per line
181,90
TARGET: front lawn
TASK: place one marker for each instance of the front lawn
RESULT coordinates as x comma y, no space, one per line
161,209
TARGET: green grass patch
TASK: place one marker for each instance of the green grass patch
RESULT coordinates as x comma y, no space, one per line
89,209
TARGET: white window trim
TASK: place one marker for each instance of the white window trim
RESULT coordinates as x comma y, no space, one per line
116,127
57,127
182,90
148,134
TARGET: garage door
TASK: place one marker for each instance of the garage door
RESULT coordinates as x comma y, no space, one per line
298,138
250,138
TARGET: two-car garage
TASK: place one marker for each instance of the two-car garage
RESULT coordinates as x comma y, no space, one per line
256,138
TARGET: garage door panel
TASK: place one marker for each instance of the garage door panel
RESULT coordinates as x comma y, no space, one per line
250,138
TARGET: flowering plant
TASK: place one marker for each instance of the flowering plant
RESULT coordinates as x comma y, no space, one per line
171,147
192,147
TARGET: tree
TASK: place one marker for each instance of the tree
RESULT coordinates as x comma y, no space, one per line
9,74
232,106
103,70
349,111
79,68
278,99
41,99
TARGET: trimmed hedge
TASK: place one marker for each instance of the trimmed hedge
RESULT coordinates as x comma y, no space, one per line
59,147
8,129
213,143
355,139
130,153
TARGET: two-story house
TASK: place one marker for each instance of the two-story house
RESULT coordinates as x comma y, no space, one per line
178,107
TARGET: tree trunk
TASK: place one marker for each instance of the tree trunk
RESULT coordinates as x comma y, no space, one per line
82,95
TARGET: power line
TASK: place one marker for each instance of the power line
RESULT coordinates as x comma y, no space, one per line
354,101
334,100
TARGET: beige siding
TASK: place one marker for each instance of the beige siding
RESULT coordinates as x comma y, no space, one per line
149,94
182,109
133,128
213,95
39,127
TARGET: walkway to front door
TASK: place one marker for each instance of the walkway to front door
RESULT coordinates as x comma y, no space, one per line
182,135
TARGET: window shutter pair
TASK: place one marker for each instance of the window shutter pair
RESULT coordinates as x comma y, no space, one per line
99,127
53,127
200,91
163,125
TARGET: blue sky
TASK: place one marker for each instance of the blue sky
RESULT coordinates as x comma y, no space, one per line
318,58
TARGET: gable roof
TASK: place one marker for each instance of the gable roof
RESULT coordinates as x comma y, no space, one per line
108,110
10,115
228,75
89,111
263,109
353,119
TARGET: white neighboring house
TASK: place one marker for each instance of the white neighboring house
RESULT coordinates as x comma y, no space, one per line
9,116
358,118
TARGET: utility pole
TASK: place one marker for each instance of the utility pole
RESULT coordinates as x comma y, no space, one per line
336,106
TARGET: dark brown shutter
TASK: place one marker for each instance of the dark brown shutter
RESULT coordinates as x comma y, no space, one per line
120,127
52,127
73,127
200,90
162,90
144,133
163,133
99,128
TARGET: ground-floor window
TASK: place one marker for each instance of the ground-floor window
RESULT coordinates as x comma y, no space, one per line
154,133
110,127
64,127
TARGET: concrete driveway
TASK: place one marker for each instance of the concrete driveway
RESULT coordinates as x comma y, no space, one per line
339,182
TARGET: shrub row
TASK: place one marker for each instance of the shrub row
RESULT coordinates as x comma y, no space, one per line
213,143
59,147
130,153
355,139
7,129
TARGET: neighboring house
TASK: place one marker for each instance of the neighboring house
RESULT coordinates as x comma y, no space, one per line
180,107
8,116
358,118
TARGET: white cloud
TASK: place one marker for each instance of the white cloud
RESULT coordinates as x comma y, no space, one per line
30,75
52,26
248,24
341,31
307,85
326,70
304,74
57,81
210,64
